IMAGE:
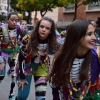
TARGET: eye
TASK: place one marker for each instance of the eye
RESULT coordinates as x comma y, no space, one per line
89,34
41,26
47,28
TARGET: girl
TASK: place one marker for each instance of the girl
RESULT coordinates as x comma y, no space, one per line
76,67
34,59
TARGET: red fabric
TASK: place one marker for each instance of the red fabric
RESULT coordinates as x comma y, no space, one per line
98,84
92,90
5,45
95,86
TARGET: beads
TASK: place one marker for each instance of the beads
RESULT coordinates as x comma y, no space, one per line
82,90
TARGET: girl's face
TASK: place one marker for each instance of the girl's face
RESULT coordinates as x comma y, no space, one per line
44,29
24,24
88,42
12,21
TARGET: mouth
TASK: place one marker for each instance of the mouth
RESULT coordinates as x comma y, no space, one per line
93,43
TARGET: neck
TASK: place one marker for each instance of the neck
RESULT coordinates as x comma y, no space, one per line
81,51
10,28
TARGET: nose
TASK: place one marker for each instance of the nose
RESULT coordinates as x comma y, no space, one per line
14,22
94,37
43,28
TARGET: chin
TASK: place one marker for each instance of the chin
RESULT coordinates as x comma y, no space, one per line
91,47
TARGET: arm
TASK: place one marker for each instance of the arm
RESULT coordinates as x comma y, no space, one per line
21,58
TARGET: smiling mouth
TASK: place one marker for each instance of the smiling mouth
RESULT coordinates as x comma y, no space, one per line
93,43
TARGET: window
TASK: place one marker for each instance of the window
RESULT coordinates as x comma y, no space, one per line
70,8
94,6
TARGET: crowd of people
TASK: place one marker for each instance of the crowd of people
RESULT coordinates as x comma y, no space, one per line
75,68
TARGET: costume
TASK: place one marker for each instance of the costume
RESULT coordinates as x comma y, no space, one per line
23,32
8,50
87,89
34,61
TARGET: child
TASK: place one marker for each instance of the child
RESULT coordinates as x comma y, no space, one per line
23,29
76,67
34,59
8,49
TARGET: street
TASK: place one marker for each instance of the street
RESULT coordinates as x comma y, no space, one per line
5,87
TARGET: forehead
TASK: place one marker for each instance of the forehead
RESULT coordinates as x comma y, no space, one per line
14,16
46,23
24,22
91,27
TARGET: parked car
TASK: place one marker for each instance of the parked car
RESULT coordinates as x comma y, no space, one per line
30,27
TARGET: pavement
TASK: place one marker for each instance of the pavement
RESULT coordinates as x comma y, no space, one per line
5,88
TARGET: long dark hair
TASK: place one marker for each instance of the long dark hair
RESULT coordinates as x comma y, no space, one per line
60,73
51,37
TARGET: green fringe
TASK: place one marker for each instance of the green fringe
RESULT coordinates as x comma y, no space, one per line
11,50
96,95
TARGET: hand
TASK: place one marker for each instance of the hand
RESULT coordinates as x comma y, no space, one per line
21,84
2,67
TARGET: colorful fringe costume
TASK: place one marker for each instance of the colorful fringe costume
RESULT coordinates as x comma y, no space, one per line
86,90
8,50
34,61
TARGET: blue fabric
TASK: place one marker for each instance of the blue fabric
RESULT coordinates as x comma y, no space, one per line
95,66
23,95
3,72
18,31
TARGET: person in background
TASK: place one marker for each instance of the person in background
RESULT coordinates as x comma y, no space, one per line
8,50
23,29
76,67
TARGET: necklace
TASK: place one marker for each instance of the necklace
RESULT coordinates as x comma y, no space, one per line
81,91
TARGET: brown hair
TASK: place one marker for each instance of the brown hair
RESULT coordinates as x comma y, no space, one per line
60,73
51,37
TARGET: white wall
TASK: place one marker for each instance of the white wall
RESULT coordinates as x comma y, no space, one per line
53,15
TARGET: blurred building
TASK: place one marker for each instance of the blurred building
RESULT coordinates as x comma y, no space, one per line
5,7
91,11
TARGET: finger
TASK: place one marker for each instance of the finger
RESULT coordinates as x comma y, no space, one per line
22,87
19,85
26,82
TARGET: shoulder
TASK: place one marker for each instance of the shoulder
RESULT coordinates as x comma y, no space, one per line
26,39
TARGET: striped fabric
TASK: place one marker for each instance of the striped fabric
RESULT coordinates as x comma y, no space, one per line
74,74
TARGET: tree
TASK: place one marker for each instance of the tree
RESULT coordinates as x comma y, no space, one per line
40,5
2,17
79,3
14,6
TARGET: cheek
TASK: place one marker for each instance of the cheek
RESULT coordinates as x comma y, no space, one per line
48,33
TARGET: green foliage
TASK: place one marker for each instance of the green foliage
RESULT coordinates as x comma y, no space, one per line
38,5
13,4
90,1
2,17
